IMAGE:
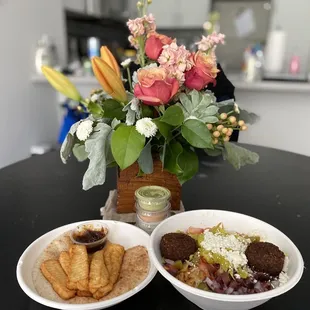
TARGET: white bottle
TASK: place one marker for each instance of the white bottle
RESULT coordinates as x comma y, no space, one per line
45,54
275,51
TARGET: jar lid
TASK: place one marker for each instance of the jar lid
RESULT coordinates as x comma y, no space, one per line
153,195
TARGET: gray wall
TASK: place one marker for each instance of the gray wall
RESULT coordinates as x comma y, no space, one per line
28,114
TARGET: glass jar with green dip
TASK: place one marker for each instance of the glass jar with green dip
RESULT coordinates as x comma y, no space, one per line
152,198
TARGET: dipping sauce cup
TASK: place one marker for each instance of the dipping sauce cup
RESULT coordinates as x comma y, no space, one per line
152,198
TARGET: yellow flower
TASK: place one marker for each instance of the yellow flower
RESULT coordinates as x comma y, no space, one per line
109,79
108,57
61,83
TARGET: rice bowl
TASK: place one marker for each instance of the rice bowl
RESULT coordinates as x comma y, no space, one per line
235,222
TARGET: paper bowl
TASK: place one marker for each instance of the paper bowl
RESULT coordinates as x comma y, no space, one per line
235,222
121,233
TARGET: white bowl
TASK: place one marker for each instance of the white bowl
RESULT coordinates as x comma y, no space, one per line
122,233
235,222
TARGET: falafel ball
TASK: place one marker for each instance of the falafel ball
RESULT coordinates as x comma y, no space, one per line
177,246
265,257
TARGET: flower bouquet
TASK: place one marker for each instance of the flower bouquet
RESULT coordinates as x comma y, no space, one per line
168,110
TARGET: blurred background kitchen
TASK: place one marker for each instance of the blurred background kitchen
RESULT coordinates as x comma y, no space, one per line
266,57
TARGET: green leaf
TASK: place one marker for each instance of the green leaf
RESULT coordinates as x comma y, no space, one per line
248,117
113,109
173,116
115,123
127,145
211,110
226,103
145,159
197,134
173,150
195,95
164,128
95,109
68,143
214,152
146,111
79,152
199,105
239,156
96,146
189,163
211,119
130,114
108,151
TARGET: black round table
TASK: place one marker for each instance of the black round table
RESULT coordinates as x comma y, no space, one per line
40,193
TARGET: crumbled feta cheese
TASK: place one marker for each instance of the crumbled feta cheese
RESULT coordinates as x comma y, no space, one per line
283,278
230,247
285,265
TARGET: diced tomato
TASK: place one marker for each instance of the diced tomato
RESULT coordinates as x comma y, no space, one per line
207,268
204,268
195,230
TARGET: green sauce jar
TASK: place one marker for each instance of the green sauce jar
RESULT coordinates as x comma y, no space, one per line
152,198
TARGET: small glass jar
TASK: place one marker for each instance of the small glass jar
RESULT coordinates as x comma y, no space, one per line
152,198
153,216
147,227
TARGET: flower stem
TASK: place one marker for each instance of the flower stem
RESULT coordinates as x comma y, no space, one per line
85,104
144,7
177,134
176,128
157,109
141,51
129,79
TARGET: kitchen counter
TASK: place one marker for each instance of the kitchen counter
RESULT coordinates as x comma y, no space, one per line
77,80
285,86
236,79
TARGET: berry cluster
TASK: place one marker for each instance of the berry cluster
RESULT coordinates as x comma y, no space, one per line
223,129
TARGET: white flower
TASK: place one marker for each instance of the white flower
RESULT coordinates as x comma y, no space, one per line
126,63
236,108
94,97
146,127
84,130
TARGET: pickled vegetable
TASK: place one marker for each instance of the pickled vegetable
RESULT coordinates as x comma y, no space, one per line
178,264
203,286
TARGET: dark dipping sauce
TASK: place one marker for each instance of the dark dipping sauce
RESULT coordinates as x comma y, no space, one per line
91,236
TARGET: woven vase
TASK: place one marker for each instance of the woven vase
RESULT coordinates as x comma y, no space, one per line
128,182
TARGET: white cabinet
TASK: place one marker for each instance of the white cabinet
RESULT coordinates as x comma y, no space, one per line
89,7
176,13
75,5
194,13
95,7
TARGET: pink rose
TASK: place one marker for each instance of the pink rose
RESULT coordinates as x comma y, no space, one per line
203,72
154,87
154,44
